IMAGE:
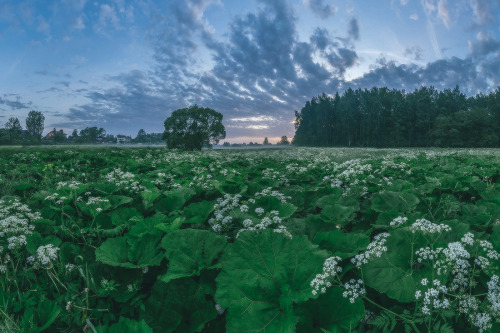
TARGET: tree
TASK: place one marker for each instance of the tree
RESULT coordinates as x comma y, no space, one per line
266,141
193,128
141,136
74,136
90,134
284,140
14,130
34,125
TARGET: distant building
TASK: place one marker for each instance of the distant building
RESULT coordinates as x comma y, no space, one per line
51,134
123,139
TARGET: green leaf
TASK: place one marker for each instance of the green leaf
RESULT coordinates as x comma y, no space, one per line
143,253
330,311
118,200
391,273
399,201
189,251
342,244
45,314
179,306
122,215
146,226
338,214
262,275
495,237
126,325
174,200
198,212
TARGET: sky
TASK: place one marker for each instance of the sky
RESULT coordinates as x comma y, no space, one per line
125,65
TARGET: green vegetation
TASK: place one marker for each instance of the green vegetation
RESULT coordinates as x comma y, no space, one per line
381,117
193,128
275,240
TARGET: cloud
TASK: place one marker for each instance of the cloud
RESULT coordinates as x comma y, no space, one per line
429,8
43,27
443,12
16,104
483,13
443,73
321,9
78,23
414,17
108,19
404,2
353,29
414,52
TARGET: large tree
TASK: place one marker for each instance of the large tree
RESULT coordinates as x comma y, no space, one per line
14,130
193,128
34,125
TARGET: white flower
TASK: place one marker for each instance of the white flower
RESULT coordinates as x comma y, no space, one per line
259,210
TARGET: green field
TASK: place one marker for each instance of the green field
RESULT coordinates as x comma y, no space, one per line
124,239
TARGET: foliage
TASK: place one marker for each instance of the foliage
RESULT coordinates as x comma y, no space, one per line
291,240
380,117
193,128
34,125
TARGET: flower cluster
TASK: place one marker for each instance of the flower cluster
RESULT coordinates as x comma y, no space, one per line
44,257
427,227
398,221
322,281
434,296
268,192
70,184
125,180
271,221
354,290
374,249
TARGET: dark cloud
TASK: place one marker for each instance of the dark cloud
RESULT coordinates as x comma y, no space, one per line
16,104
321,39
321,8
353,28
64,83
443,73
51,89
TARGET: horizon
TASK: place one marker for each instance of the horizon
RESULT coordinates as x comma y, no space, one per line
123,65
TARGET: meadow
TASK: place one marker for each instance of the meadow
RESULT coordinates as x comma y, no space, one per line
124,239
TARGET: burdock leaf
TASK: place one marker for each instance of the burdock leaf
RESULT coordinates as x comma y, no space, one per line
189,251
263,275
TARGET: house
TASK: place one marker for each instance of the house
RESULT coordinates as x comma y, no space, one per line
52,133
123,139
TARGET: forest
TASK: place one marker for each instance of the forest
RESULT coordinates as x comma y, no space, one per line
381,117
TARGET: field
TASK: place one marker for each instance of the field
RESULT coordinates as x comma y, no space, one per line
275,240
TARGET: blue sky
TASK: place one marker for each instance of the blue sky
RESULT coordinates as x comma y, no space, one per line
126,65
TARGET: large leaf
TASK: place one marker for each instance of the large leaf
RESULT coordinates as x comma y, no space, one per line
118,200
399,201
263,275
198,212
189,251
392,273
342,244
174,200
126,325
123,215
179,306
330,311
143,253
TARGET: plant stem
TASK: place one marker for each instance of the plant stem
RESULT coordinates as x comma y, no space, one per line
394,313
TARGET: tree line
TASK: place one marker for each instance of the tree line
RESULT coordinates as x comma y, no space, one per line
381,117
